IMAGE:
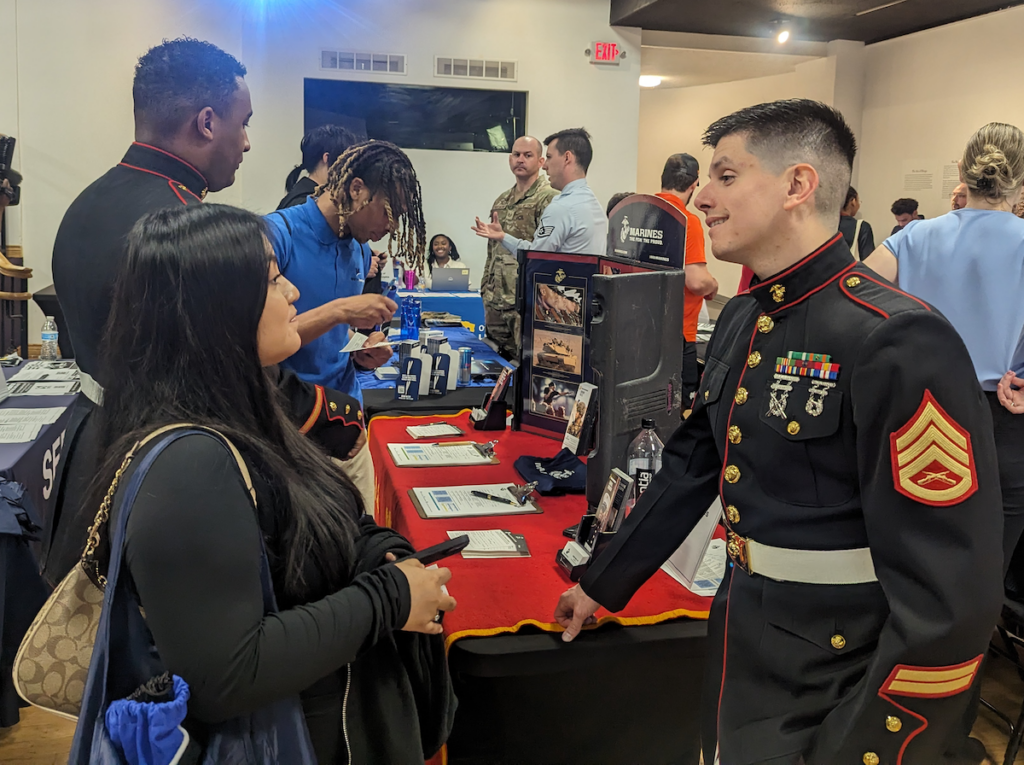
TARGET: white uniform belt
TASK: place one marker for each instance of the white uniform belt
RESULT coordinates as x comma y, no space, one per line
805,566
92,389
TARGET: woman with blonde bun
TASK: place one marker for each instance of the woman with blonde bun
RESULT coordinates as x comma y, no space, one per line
969,264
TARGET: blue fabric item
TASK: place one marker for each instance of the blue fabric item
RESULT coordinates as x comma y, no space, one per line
564,473
124,657
970,265
147,733
324,268
15,515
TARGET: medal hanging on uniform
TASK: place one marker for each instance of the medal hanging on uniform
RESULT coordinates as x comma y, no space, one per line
781,389
790,368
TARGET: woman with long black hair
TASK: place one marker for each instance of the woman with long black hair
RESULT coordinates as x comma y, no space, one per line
199,312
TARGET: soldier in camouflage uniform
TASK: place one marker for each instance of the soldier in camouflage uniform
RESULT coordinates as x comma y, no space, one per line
519,210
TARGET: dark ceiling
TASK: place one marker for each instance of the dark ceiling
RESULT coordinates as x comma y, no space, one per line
818,20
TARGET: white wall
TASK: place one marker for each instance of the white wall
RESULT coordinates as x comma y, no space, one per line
71,96
674,120
925,95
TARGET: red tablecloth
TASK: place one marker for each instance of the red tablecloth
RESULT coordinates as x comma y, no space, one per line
502,595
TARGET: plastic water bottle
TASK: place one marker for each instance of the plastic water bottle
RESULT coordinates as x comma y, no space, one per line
48,351
643,459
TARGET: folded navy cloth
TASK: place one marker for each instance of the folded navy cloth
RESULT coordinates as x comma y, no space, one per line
564,473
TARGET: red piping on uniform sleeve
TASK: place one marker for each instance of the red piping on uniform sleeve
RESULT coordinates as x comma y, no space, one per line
908,739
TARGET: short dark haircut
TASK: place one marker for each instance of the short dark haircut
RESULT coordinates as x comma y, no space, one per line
850,196
178,78
331,140
904,206
681,172
576,140
785,133
616,199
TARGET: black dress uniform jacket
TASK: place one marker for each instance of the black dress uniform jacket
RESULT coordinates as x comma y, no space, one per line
88,253
897,456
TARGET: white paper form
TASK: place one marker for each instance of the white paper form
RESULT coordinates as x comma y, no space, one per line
492,543
43,416
456,501
52,371
18,432
437,455
43,388
437,430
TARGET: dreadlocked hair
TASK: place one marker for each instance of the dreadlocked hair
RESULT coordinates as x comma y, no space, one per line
386,169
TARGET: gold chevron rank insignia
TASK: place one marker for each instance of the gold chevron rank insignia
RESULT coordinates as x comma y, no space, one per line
930,682
932,460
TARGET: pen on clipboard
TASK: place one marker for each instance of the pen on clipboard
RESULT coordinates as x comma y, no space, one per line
493,498
459,443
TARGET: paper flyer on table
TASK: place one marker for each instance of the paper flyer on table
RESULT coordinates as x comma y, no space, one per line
44,416
436,455
44,388
358,343
685,564
455,501
52,371
18,432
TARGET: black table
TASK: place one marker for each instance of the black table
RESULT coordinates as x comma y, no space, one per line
22,590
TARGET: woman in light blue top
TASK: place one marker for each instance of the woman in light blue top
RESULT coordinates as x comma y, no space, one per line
969,264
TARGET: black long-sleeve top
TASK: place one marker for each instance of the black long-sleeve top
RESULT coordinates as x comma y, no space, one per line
193,551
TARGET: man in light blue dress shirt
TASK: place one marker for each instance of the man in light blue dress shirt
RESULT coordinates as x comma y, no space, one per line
575,222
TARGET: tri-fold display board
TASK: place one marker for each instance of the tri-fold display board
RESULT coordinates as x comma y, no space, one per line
557,303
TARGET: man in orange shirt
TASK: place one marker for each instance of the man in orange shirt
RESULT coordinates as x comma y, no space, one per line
678,183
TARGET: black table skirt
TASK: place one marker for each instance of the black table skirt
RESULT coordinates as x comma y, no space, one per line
615,695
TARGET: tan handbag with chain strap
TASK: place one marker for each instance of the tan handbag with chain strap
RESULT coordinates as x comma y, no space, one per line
52,664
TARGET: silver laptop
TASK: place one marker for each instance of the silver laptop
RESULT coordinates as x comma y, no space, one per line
450,280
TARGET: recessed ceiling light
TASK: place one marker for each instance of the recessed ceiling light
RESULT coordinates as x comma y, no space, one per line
649,81
783,37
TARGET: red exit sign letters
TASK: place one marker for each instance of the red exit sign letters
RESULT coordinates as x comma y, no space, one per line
605,53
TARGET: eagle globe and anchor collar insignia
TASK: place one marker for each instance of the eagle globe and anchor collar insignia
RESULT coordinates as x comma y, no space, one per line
932,459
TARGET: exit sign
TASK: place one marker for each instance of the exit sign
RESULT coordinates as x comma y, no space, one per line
605,53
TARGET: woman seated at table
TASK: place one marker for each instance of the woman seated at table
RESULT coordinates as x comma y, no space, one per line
442,253
199,311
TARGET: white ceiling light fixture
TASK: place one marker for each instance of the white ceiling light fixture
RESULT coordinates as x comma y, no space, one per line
649,81
783,37
782,31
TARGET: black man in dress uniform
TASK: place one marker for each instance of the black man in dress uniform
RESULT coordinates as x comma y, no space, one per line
192,107
841,424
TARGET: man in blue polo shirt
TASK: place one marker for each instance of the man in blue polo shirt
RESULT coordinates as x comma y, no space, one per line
321,247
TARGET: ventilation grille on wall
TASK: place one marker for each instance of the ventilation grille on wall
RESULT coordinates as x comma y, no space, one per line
478,69
354,61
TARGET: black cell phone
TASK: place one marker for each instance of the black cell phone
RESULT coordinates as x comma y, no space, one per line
441,551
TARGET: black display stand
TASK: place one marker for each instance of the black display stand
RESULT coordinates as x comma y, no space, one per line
495,415
575,571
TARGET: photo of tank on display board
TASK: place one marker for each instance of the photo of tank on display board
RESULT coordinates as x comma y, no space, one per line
556,346
646,229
